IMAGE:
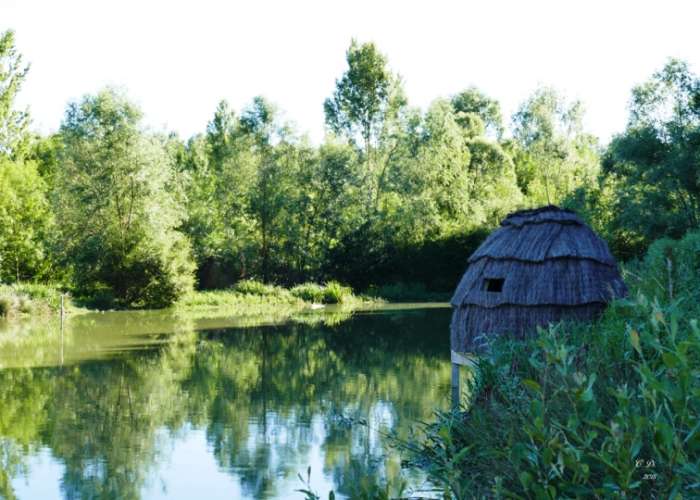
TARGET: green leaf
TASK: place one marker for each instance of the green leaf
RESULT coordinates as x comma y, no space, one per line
532,385
670,360
634,339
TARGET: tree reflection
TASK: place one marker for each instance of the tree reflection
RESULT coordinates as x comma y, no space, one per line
267,397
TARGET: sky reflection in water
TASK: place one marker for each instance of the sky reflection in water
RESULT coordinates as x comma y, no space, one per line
151,405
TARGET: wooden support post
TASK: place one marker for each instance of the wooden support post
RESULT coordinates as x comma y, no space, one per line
455,387
459,359
62,314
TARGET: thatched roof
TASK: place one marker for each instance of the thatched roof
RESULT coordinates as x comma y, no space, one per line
541,265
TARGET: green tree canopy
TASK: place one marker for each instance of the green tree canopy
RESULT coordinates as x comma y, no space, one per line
655,163
25,220
552,153
13,123
115,205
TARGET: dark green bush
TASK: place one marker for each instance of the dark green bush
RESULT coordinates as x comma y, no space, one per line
599,411
670,269
330,293
253,287
335,293
406,292
148,274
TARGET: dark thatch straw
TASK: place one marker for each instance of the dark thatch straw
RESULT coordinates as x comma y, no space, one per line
549,267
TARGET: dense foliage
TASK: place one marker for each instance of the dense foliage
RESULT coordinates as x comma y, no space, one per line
394,194
605,410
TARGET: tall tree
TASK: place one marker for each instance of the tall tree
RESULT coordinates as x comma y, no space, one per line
655,162
25,220
364,108
117,212
552,153
13,123
24,213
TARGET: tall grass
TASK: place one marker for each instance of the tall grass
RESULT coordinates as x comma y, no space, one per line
28,299
330,293
254,297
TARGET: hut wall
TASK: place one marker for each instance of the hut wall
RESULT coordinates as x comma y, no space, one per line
473,325
557,281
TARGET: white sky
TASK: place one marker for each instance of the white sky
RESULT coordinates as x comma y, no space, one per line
177,59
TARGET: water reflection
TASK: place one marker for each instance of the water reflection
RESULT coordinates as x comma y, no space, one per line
142,401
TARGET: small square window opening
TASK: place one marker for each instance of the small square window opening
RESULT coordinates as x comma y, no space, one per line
494,284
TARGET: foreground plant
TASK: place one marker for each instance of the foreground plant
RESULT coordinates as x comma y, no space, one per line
605,410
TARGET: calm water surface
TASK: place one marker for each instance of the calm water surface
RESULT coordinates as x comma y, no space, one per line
152,405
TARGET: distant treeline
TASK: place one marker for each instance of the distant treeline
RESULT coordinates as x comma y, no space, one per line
393,194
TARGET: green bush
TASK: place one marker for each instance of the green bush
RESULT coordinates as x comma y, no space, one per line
406,292
308,292
28,298
670,269
335,293
330,293
7,304
601,411
141,274
253,287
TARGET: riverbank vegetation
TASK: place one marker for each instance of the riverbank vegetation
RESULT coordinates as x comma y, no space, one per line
251,298
128,217
23,299
391,202
609,409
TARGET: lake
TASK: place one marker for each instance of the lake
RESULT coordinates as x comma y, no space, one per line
157,405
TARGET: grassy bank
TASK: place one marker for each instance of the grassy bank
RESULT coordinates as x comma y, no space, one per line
253,297
246,297
25,299
603,410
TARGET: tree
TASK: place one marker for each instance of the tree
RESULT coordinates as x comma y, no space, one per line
13,123
25,220
270,195
472,103
117,213
553,155
25,217
656,160
364,108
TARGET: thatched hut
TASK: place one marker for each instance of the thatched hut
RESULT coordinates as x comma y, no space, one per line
540,266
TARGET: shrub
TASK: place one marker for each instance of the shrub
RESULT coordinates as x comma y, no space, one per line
607,410
253,287
6,305
330,293
27,298
335,293
139,274
309,292
670,268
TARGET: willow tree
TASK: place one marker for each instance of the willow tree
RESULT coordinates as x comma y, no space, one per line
115,206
